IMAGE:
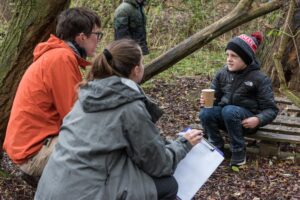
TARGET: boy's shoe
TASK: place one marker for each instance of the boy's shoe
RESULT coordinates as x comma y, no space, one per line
238,158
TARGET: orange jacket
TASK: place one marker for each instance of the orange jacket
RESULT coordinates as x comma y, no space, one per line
45,95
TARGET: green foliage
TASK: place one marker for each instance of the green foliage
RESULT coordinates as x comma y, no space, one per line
235,168
3,173
274,33
169,23
201,13
273,19
202,62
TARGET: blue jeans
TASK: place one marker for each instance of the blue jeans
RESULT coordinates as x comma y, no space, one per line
228,118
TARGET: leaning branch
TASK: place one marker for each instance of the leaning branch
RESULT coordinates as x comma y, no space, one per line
242,13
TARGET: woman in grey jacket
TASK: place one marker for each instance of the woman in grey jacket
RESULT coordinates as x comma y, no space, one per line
109,146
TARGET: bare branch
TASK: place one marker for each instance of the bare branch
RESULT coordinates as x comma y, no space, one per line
278,56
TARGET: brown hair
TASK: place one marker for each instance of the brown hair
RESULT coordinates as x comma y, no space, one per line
74,21
118,58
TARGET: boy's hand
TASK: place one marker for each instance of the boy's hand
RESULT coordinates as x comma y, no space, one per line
194,136
201,101
250,122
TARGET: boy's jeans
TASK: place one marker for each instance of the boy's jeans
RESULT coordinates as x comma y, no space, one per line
228,118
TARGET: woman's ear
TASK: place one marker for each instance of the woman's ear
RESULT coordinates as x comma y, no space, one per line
134,74
134,70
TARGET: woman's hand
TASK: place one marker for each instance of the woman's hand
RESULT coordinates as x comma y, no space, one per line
193,136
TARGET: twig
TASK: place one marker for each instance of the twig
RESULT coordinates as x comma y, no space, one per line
295,45
278,56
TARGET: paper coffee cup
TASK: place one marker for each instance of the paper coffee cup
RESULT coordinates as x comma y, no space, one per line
209,97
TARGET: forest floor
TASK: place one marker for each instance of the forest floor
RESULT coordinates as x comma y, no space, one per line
261,178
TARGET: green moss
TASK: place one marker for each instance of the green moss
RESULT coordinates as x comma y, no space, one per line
3,173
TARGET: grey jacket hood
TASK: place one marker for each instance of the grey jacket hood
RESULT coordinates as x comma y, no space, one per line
108,93
112,92
255,65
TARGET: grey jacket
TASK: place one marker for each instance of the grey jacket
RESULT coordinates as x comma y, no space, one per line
109,147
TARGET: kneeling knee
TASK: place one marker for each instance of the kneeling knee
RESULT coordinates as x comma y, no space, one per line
230,112
205,116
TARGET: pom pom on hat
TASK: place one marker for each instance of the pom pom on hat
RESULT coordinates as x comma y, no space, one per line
246,45
258,36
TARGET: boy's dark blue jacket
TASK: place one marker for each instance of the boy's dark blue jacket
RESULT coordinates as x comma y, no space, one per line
249,88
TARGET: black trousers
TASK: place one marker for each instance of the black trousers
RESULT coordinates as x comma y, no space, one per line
167,188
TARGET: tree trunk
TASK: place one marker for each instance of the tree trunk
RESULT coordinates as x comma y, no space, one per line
5,11
242,13
33,21
290,59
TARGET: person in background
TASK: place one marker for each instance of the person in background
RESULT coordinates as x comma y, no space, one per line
47,90
109,146
130,22
244,99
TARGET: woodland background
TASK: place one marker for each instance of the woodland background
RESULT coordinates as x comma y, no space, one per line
177,89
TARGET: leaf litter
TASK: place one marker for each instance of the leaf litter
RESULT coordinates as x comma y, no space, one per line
261,178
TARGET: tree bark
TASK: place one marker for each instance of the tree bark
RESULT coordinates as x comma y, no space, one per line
289,52
5,11
242,13
33,21
290,59
278,56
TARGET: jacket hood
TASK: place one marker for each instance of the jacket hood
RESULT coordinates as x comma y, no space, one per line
134,2
108,93
255,65
54,43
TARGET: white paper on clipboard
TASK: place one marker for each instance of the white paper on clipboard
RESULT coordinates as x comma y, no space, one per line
194,170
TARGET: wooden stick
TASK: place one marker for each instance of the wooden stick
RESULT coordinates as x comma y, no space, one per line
278,57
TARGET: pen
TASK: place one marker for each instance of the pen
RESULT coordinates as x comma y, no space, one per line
208,144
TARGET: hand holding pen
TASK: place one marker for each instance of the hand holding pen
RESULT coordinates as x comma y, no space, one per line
193,136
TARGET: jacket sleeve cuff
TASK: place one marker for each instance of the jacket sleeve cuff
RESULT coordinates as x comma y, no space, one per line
185,142
260,118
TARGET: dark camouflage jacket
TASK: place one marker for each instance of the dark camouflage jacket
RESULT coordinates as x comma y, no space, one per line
130,22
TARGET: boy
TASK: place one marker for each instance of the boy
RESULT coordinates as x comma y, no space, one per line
244,99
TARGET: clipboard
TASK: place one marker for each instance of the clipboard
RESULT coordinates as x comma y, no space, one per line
195,169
